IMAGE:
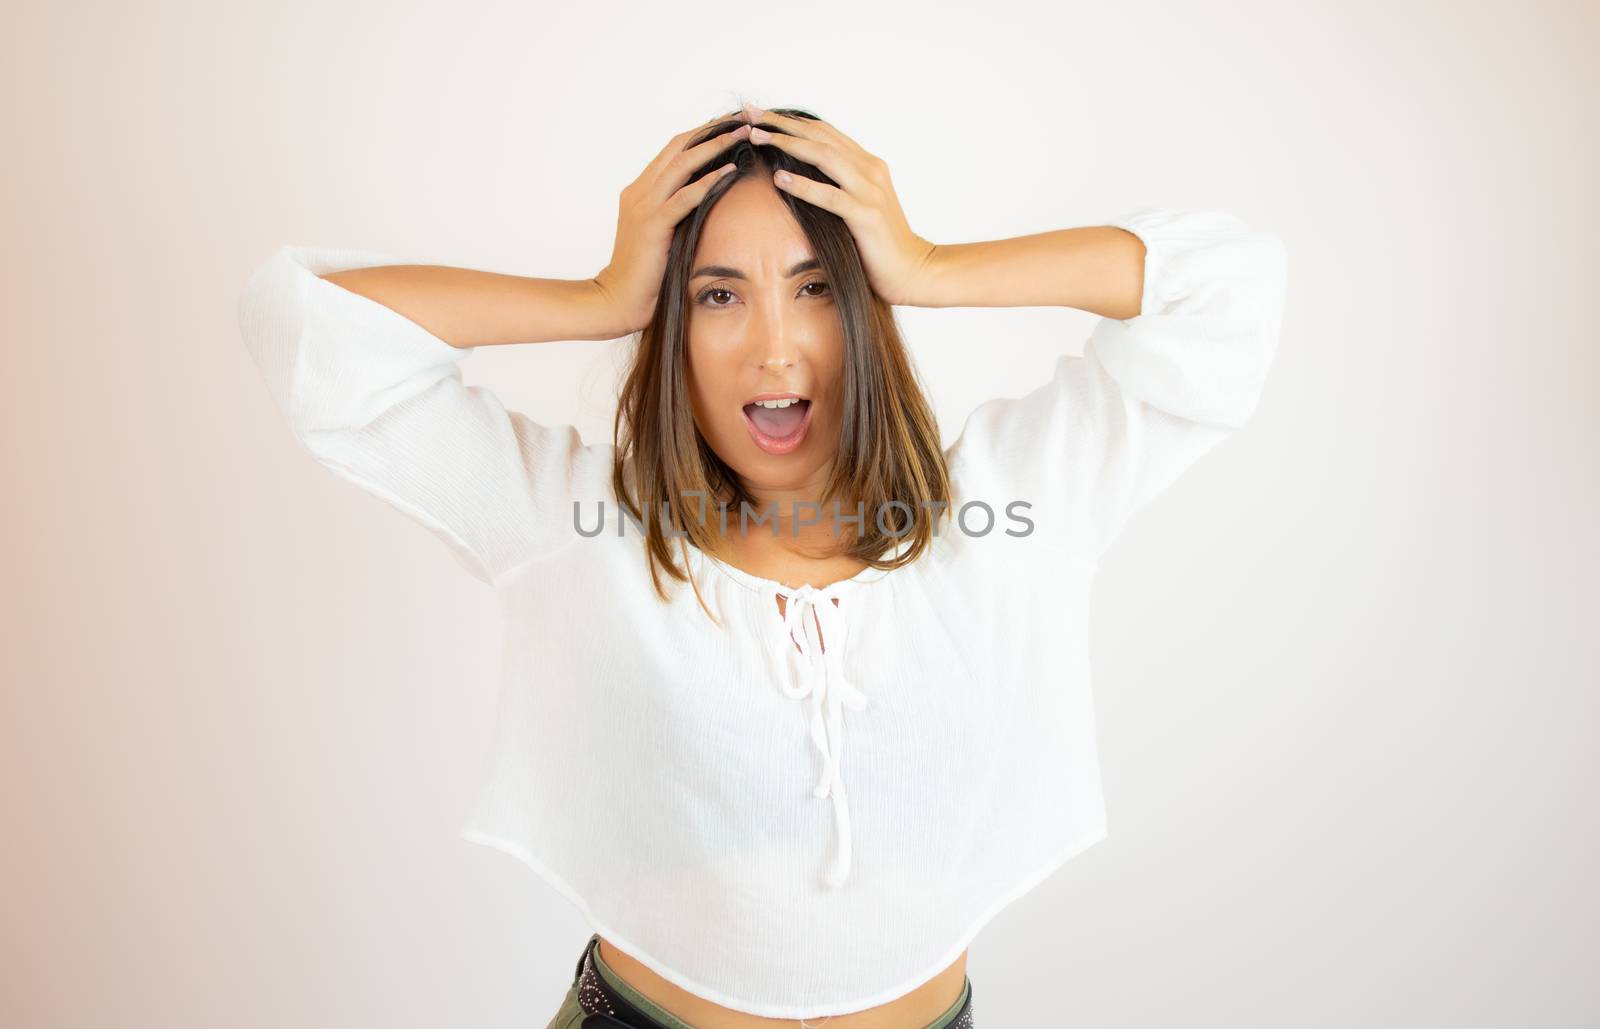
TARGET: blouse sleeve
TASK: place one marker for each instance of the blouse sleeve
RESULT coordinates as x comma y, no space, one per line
379,401
1149,396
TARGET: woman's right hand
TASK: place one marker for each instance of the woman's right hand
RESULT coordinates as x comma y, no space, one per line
650,209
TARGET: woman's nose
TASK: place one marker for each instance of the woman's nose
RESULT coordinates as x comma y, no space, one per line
776,342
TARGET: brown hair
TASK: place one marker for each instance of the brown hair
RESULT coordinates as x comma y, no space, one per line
889,439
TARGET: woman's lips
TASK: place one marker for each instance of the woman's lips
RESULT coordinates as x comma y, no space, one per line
779,445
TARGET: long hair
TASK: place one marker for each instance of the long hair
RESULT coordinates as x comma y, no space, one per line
889,459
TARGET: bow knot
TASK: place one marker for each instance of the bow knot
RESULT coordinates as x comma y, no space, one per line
821,677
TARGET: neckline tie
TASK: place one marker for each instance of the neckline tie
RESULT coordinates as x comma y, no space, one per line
817,648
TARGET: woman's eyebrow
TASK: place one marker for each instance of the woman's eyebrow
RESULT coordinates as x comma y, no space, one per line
722,271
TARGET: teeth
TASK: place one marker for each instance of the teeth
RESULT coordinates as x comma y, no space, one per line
776,404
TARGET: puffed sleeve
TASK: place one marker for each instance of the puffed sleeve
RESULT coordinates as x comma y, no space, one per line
379,401
1150,394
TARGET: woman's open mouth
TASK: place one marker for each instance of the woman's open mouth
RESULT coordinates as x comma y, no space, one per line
778,430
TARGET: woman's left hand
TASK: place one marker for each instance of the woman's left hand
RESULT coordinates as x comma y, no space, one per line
896,259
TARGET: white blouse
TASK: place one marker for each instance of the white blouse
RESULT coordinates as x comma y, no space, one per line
684,784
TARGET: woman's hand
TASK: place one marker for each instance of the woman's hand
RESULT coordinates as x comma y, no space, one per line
897,260
650,208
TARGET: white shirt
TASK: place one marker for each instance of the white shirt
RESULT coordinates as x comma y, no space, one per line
783,829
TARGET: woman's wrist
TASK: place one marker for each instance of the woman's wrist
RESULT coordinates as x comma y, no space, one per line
567,309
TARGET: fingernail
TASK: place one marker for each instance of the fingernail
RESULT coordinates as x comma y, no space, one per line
759,135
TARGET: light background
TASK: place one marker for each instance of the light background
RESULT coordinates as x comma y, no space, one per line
1346,668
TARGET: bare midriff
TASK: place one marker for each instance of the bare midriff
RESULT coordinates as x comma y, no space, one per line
918,1008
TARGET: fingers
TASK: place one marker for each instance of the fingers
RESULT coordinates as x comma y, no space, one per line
672,175
672,166
688,197
730,116
811,128
685,197
702,151
696,130
819,194
847,169
820,144
676,154
675,145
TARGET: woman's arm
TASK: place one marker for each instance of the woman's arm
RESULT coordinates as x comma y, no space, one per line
1175,364
1099,269
361,351
468,308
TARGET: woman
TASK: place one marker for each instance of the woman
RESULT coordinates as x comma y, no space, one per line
651,761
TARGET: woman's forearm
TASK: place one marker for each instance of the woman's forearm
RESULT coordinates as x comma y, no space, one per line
468,308
1099,269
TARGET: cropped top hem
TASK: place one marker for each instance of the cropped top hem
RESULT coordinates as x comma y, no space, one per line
634,950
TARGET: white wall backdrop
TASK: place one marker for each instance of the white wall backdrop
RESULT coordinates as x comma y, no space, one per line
236,740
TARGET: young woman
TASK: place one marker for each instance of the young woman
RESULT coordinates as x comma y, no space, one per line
774,583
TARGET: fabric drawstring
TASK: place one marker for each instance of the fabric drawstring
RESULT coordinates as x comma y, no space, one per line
809,610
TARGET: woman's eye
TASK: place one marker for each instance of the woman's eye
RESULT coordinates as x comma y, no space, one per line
705,295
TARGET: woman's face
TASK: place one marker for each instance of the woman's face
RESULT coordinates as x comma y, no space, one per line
761,322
